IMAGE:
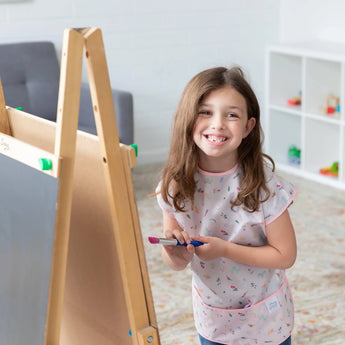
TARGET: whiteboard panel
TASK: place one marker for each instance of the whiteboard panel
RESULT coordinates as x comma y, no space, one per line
27,221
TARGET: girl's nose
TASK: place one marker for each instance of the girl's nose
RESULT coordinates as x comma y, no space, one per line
217,121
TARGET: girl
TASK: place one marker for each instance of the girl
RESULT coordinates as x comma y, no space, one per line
220,189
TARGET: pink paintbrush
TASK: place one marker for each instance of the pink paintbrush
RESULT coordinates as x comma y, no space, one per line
172,242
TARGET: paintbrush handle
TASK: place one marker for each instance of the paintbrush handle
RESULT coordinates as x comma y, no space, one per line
194,243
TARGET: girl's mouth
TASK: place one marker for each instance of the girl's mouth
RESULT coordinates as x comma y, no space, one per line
215,138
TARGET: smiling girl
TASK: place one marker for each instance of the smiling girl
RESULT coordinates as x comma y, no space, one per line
219,188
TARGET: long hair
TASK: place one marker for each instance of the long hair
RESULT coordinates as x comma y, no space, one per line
178,183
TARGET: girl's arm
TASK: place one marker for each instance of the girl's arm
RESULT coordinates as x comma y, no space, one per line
176,257
279,253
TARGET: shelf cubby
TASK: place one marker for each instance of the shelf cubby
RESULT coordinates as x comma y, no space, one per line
322,80
287,68
281,139
322,141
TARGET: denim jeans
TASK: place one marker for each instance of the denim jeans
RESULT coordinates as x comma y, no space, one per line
204,341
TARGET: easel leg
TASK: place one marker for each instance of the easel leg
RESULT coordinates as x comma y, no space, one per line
65,145
127,152
115,175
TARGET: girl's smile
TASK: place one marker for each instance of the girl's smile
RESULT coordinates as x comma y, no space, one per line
221,125
216,139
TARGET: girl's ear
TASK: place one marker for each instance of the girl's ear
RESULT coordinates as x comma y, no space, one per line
250,125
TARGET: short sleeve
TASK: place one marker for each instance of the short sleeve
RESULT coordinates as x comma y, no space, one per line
281,197
163,205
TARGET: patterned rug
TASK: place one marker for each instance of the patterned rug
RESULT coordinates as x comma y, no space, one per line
317,279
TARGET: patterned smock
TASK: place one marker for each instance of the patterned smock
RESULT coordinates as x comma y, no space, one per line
235,303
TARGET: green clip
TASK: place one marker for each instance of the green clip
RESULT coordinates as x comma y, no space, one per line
45,163
19,108
135,146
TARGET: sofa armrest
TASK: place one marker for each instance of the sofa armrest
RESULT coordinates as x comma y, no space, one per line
123,103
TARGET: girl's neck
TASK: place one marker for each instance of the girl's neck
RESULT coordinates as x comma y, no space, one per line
214,165
223,173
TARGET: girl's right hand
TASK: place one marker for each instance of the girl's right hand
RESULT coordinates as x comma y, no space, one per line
186,252
176,257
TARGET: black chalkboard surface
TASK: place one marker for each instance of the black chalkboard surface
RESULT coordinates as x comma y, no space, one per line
27,222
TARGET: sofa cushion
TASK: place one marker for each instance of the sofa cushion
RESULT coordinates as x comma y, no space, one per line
30,77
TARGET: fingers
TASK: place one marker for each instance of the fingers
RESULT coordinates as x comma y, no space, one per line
181,236
190,249
203,239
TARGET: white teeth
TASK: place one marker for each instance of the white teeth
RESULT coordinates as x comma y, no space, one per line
215,139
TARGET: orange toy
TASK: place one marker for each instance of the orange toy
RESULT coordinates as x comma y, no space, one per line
331,171
295,101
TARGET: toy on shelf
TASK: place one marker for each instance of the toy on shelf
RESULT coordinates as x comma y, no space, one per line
331,106
333,170
294,155
296,100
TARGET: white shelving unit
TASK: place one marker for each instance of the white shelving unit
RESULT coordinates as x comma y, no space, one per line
315,70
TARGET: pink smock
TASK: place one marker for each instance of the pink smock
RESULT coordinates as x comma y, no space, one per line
235,303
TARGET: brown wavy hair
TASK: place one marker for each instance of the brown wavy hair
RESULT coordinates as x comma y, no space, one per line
178,183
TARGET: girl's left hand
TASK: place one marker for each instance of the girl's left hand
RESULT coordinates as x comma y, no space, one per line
212,248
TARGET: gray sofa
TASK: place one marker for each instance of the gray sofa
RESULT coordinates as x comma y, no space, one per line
30,77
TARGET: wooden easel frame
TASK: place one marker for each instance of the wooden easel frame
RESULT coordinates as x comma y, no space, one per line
117,162
121,197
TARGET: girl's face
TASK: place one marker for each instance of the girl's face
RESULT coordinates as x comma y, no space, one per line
221,125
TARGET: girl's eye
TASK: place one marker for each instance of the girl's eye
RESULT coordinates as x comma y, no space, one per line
231,115
204,112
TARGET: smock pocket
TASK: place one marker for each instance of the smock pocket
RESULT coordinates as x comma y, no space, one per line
267,322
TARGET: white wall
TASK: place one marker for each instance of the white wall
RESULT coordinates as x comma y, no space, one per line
305,20
154,47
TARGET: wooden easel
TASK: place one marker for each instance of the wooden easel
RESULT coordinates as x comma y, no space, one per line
117,160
